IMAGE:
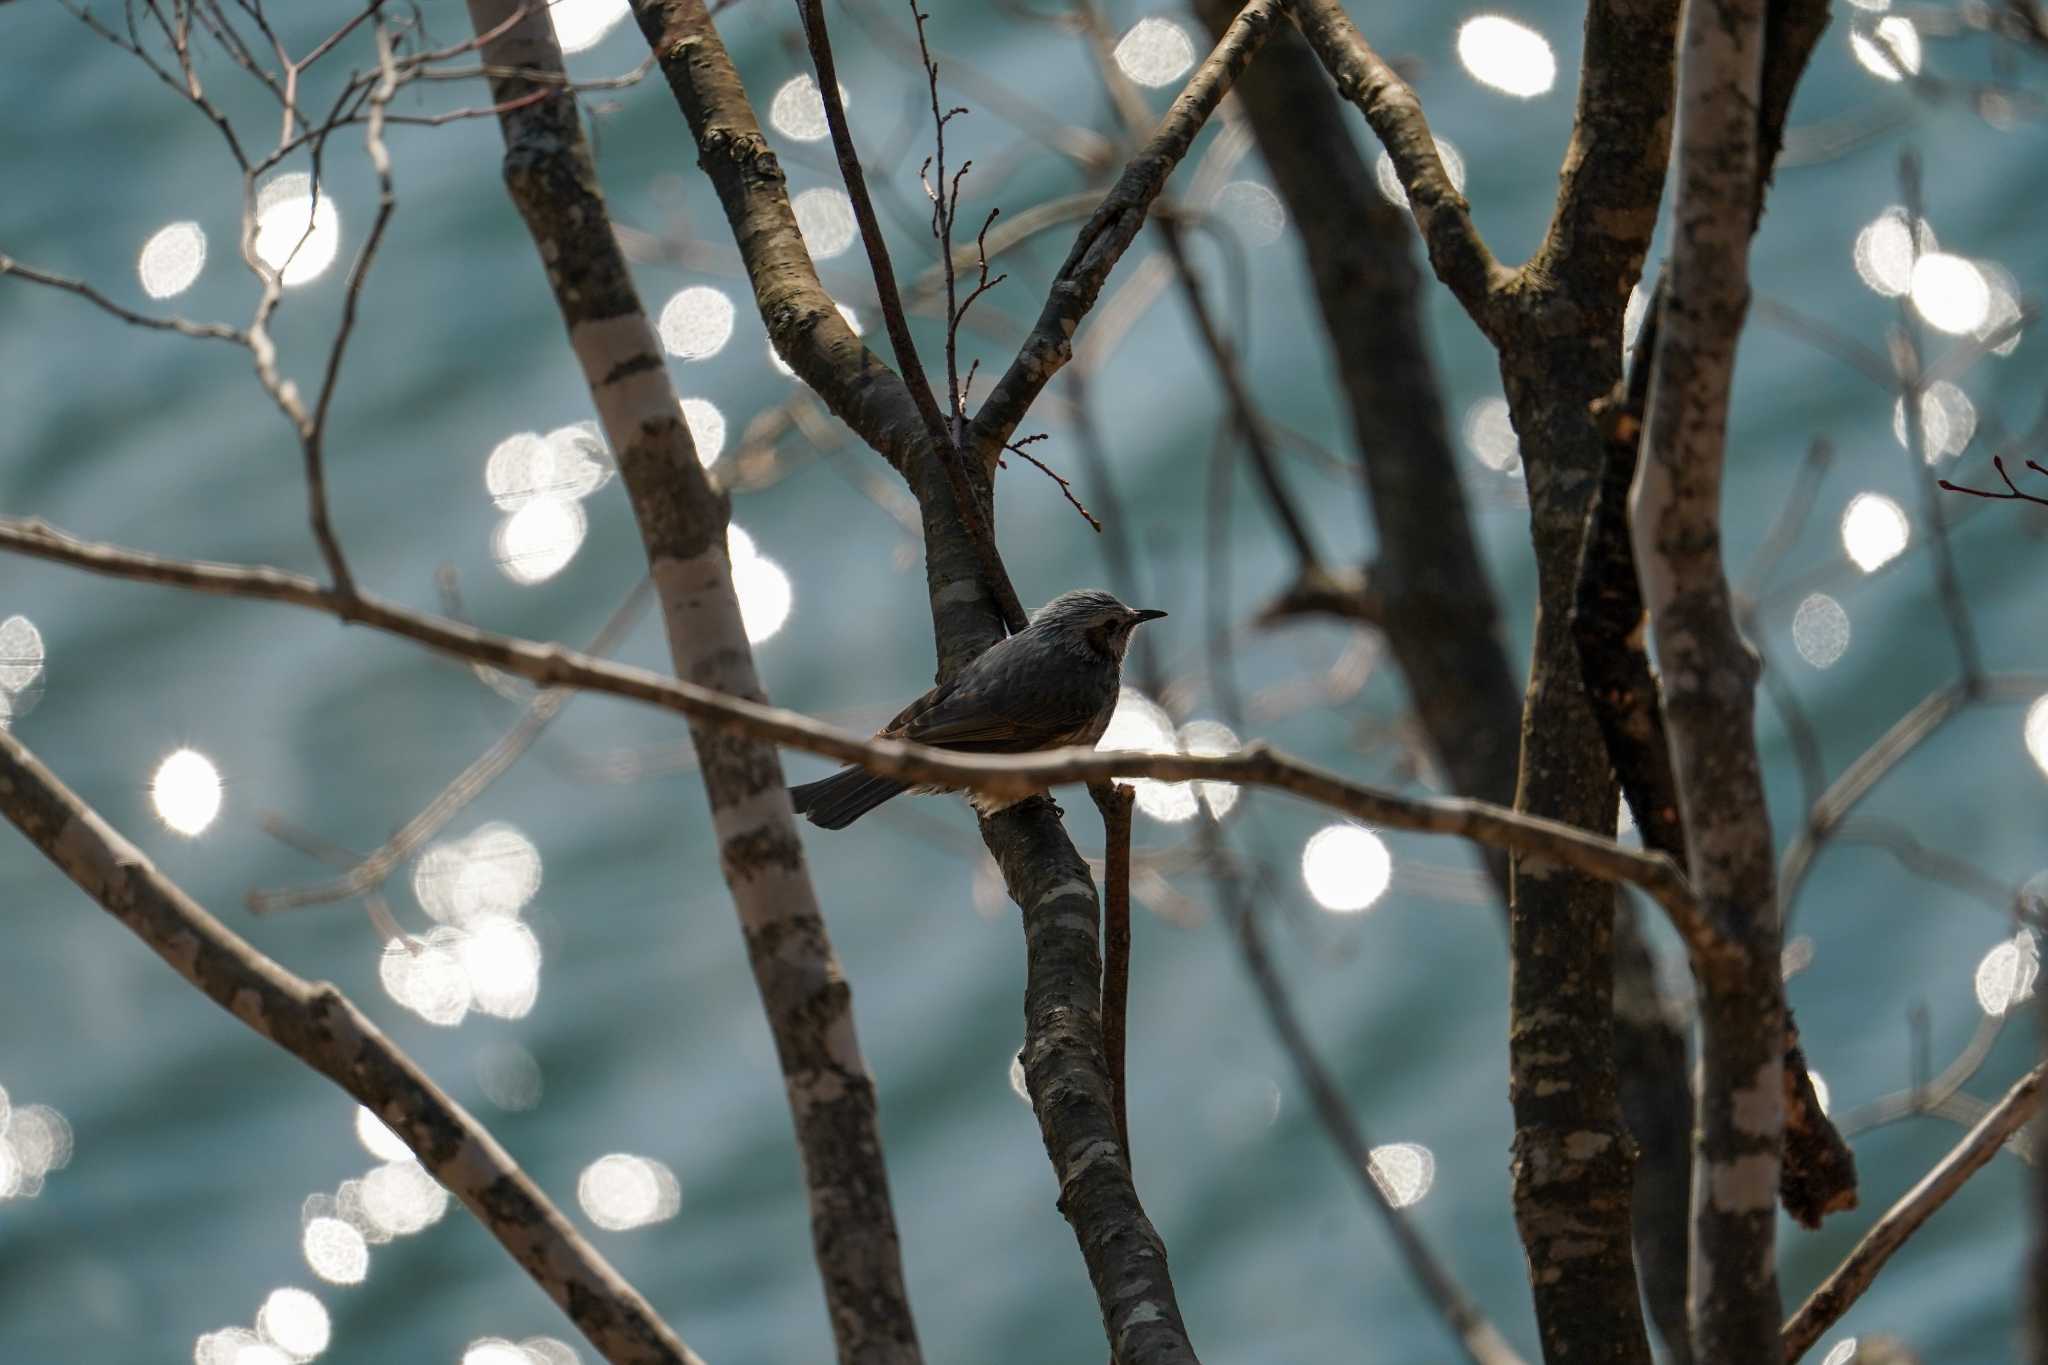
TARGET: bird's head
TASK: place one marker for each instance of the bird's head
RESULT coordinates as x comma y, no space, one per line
1093,619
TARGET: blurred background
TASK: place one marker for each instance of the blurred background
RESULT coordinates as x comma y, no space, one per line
172,1185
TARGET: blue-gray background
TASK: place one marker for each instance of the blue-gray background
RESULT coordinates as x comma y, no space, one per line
196,1142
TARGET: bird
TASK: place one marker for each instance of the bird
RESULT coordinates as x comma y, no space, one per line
1052,684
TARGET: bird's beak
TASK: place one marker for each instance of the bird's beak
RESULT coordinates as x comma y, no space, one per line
1146,615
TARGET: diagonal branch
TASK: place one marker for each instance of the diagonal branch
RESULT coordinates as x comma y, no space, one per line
1456,251
1110,230
318,1025
1825,1306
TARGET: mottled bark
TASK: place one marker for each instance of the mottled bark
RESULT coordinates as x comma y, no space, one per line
2034,1288
1709,675
317,1024
682,521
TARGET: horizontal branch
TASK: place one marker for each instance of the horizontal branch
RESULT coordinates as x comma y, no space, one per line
211,331
554,665
1841,1289
317,1024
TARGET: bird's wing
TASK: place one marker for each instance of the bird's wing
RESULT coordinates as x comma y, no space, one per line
986,719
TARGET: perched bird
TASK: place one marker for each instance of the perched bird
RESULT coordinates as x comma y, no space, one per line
1051,684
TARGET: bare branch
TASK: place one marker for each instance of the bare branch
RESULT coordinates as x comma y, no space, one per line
552,665
1857,1270
1110,230
210,331
1115,802
318,1025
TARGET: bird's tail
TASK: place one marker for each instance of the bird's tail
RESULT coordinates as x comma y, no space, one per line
837,801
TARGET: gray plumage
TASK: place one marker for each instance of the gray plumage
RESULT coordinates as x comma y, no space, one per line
1052,684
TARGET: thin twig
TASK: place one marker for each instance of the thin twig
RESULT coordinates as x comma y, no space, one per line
1857,1270
1115,800
211,331
1017,448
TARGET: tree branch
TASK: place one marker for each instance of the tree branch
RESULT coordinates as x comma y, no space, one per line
319,1026
1859,1268
1110,230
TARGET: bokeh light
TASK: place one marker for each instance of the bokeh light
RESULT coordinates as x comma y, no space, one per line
186,792
1820,630
824,217
1155,51
696,322
1888,49
490,874
1821,1092
1253,210
34,1141
582,24
1404,1171
2035,729
1509,56
1948,420
298,234
401,1198
762,587
798,110
295,1322
1141,724
427,977
1346,867
378,1139
1389,179
2007,974
1950,293
1884,252
171,260
510,1077
537,542
1490,436
567,464
707,429
1874,531
334,1250
623,1191
1841,1353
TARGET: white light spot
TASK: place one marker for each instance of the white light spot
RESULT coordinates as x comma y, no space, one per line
1255,211
1346,868
491,874
696,322
1018,1086
550,1351
2036,731
297,235
621,1191
1490,436
21,653
1820,630
186,791
798,110
1139,723
1884,252
233,1346
2007,974
707,429
495,1351
1874,531
762,587
1632,316
1948,420
1820,1091
537,542
581,24
1950,293
824,217
378,1139
1389,179
1212,739
1841,1353
401,1198
568,463
427,978
1511,57
502,960
335,1251
1155,51
1404,1171
295,1322
171,260
1889,49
